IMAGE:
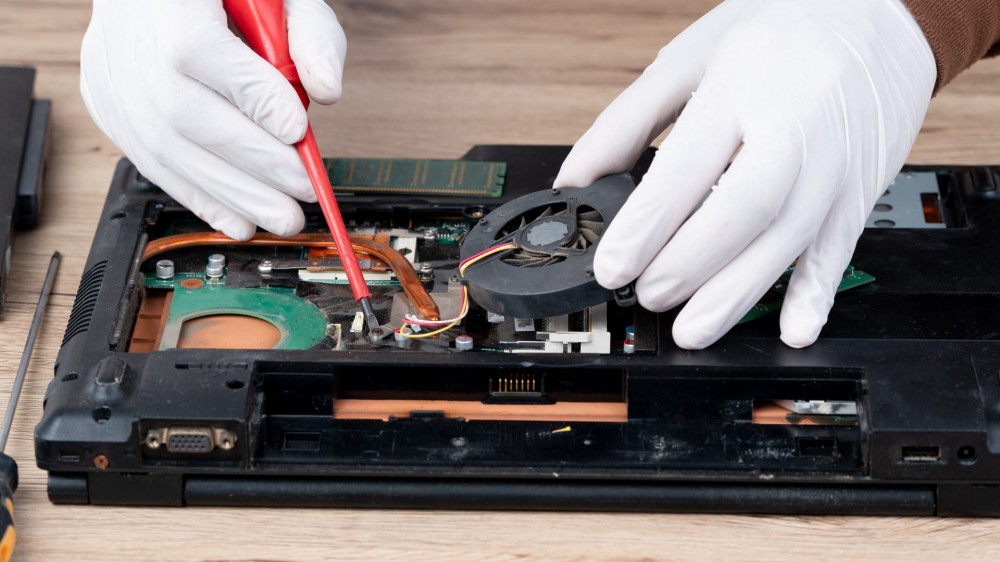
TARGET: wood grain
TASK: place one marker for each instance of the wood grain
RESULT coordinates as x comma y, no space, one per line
425,79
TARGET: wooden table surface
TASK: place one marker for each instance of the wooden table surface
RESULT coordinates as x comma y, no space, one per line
424,79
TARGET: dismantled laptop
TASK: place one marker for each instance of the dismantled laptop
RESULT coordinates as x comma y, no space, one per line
197,370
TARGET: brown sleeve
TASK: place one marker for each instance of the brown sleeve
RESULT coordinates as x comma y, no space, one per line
960,32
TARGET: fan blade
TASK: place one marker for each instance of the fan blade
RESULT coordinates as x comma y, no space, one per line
547,212
549,261
589,235
528,258
596,227
521,257
590,216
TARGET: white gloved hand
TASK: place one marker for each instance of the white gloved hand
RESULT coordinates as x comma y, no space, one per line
822,100
204,117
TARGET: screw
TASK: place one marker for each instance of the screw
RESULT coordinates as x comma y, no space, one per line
265,266
458,441
376,335
101,462
483,222
426,272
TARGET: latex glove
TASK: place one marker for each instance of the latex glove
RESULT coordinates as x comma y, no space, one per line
200,114
821,102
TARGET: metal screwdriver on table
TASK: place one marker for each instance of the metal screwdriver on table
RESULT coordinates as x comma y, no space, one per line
8,467
263,26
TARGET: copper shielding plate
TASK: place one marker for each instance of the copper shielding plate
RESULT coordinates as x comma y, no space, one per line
359,409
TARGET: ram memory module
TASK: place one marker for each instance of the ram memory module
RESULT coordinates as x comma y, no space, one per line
417,177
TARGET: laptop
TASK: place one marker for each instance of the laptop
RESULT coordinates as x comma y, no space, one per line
198,371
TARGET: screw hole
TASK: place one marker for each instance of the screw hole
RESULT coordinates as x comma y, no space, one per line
883,208
235,384
101,414
885,223
70,377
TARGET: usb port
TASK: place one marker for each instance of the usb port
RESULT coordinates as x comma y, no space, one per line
921,454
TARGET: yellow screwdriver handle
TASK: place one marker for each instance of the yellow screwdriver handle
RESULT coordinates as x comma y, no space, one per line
7,524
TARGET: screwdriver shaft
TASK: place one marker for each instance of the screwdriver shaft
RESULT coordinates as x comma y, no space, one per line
22,369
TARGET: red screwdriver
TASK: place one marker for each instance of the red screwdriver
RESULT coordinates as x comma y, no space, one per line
262,23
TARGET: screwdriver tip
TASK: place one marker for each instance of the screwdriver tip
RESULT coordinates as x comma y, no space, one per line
370,318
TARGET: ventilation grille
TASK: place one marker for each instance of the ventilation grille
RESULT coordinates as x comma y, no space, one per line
86,300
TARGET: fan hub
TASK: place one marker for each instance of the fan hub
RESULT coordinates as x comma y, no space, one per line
546,234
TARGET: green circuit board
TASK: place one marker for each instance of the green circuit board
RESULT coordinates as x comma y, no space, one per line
301,324
771,302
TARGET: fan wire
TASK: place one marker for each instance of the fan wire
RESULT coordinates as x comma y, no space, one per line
447,324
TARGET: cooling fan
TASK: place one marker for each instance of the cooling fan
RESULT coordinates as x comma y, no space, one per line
549,271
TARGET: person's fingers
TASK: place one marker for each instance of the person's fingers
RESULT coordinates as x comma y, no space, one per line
689,161
203,205
727,296
748,198
221,128
720,303
207,51
820,269
627,126
244,194
97,66
318,47
655,100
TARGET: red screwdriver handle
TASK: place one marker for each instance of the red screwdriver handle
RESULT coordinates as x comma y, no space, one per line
265,30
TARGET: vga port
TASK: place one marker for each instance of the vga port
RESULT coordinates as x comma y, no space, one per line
191,440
